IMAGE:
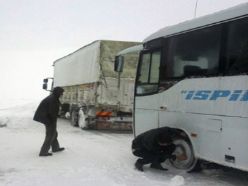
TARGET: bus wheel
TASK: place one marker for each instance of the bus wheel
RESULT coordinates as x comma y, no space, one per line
185,156
74,117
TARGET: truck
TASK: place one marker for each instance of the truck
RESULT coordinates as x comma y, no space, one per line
95,96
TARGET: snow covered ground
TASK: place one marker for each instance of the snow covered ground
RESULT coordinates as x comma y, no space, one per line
91,158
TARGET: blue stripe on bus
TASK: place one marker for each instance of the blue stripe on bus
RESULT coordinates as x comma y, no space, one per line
214,95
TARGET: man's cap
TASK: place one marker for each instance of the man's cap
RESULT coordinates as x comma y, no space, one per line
57,91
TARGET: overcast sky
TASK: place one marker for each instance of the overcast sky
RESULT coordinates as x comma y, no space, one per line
34,33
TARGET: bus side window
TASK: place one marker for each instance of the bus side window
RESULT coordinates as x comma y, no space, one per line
237,47
194,54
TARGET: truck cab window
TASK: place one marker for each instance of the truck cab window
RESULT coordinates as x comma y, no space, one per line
148,77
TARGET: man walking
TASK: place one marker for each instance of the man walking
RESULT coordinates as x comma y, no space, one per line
154,146
47,113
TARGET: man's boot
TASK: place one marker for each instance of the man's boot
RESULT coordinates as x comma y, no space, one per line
139,165
45,154
158,166
58,149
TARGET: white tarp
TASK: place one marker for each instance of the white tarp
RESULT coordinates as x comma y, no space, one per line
80,67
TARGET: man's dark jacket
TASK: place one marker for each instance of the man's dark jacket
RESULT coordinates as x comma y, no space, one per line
149,140
48,110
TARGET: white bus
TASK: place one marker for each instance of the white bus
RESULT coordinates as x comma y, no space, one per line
193,76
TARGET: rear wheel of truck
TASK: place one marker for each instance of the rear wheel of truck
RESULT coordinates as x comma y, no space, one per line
74,117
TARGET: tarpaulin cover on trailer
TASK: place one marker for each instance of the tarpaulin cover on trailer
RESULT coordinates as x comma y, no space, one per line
93,62
79,67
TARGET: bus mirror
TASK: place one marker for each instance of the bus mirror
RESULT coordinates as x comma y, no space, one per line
119,62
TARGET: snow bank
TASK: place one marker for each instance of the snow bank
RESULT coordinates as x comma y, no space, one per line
91,158
177,181
17,114
3,121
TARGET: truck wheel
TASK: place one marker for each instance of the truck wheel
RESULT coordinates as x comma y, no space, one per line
186,159
74,118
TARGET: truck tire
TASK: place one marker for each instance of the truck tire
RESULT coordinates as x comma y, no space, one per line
184,149
74,117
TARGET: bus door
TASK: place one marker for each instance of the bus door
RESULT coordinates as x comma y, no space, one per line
146,97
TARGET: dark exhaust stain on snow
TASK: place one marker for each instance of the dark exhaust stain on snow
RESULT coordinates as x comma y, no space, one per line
3,122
